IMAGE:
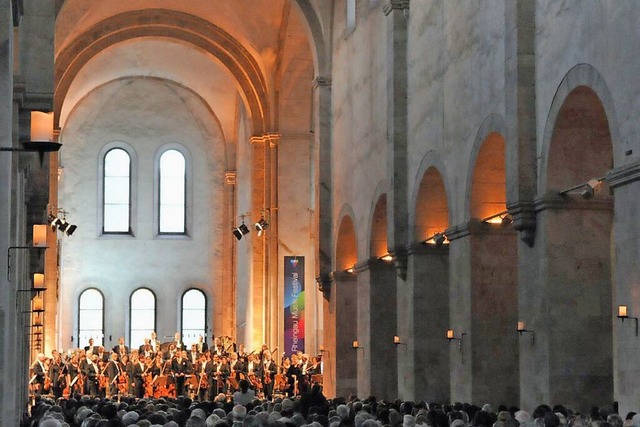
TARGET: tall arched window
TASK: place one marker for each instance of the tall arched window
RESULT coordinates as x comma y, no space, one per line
172,193
117,192
194,316
91,317
143,316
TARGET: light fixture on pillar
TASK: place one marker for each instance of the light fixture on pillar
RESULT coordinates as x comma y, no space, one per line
501,218
587,189
522,329
356,346
451,337
437,240
386,257
623,313
397,342
351,270
39,241
41,136
61,223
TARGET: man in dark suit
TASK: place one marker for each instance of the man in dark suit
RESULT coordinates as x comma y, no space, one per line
139,370
114,371
121,349
180,368
93,349
201,345
39,371
177,341
269,370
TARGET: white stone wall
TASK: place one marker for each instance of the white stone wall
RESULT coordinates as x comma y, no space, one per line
147,114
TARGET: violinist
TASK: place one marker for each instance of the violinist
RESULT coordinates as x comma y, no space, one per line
75,375
201,345
194,355
57,375
205,377
238,369
221,373
115,372
121,349
127,363
294,375
92,374
269,370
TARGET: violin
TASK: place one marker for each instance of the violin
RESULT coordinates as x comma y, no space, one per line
123,383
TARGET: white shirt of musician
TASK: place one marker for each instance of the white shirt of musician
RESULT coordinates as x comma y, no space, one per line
250,367
204,365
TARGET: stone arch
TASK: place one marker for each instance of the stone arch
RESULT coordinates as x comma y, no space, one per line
321,58
578,146
163,23
378,224
346,250
486,182
580,75
421,221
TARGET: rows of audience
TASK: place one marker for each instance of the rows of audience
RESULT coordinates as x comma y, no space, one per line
311,409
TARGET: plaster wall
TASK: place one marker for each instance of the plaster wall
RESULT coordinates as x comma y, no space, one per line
147,114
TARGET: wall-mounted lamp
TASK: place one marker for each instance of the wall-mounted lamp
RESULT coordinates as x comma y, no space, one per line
260,226
522,329
356,346
437,240
39,242
451,337
397,342
62,224
501,218
623,313
588,189
41,136
351,270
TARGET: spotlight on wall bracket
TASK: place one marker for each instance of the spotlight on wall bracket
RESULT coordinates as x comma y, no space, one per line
587,189
437,240
62,225
260,226
241,231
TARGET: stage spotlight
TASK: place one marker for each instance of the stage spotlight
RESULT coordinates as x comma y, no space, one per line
506,220
261,226
69,231
241,231
590,188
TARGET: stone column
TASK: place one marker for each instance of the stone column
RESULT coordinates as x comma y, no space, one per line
423,313
625,182
376,295
227,289
484,295
274,330
340,329
9,364
565,299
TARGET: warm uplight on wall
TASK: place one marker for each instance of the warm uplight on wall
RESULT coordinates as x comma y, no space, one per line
451,337
40,235
386,257
355,344
587,189
623,313
501,218
350,270
437,240
397,342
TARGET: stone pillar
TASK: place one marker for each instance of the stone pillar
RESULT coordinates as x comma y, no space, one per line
274,329
324,197
9,363
565,299
227,289
520,102
397,87
423,318
484,292
340,329
625,182
376,295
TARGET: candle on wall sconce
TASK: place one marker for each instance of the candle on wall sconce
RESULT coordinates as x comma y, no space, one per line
450,335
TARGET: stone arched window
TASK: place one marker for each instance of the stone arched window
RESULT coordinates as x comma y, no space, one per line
91,317
116,192
172,193
194,316
142,320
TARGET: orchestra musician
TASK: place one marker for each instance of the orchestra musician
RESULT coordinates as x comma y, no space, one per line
91,347
180,367
39,374
221,372
269,370
102,354
194,355
121,349
57,374
177,342
92,373
201,345
76,382
294,375
115,372
205,378
138,371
